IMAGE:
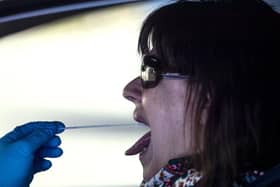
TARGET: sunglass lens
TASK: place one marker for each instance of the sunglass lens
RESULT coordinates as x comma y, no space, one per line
149,72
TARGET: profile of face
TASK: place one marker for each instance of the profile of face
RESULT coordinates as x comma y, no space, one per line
163,110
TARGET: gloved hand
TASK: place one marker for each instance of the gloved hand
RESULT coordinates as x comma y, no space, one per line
22,152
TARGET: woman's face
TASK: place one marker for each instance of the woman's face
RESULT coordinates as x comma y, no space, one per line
163,110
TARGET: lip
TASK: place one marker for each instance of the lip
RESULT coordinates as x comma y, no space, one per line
137,117
141,145
143,153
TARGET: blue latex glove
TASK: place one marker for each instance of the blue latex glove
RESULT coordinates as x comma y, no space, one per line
23,152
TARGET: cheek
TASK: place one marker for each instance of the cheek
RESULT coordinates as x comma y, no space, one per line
156,110
165,115
170,124
164,109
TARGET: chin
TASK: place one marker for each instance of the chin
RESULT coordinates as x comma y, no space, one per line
147,174
150,170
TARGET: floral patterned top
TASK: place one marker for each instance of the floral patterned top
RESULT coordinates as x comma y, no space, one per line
179,173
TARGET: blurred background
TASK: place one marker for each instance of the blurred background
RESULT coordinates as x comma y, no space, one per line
73,70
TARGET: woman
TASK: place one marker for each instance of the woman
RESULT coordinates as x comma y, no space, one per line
208,93
207,90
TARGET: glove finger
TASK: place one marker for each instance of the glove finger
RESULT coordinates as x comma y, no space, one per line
31,143
54,142
49,152
24,130
41,165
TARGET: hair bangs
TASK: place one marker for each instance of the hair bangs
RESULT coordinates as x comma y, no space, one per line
163,35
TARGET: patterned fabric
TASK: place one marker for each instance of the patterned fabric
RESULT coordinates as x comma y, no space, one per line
179,173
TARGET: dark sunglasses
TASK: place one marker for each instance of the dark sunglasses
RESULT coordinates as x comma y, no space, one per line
151,72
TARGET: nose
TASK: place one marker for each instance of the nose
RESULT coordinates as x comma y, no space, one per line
133,90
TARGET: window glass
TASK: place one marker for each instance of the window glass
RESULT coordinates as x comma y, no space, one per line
74,70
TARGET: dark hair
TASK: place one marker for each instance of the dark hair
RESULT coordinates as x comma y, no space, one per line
231,48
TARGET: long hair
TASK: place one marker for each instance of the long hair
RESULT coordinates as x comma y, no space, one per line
231,49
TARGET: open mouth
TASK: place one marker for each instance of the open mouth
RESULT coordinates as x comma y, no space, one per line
140,146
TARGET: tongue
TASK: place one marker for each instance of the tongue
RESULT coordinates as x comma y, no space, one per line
139,145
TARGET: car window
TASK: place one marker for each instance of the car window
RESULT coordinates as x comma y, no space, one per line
74,70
